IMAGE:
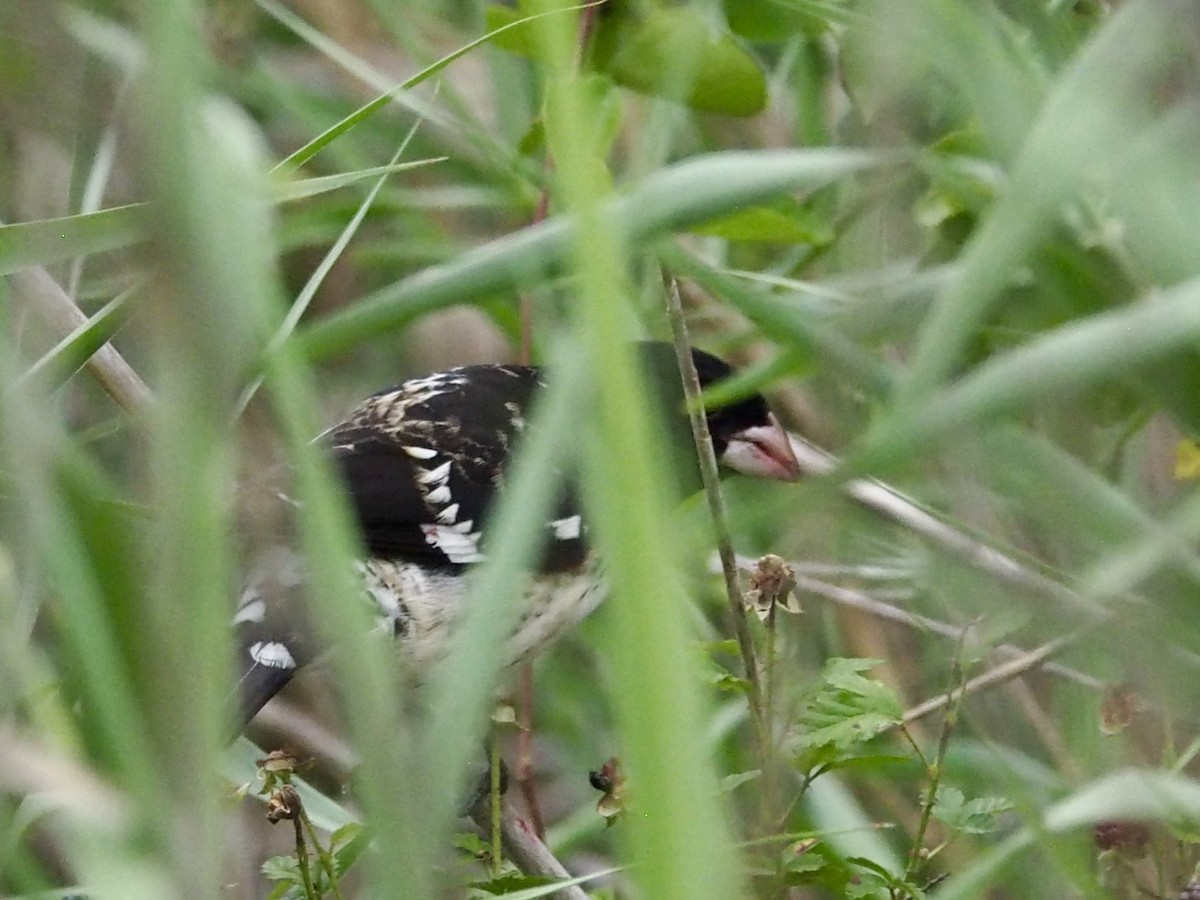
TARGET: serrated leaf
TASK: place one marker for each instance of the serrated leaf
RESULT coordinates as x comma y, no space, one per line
282,869
976,816
845,710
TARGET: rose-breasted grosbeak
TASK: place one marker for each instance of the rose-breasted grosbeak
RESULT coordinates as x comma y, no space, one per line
422,463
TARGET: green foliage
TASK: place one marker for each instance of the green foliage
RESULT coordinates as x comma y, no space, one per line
954,241
662,50
976,816
844,711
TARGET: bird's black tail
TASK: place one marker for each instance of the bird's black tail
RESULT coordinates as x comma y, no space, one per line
269,651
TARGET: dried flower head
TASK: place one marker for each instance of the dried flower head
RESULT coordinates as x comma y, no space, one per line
1120,705
610,780
772,586
284,803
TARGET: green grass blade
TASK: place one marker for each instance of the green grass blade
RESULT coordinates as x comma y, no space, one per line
676,197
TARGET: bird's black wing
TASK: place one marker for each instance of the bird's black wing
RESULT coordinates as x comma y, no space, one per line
423,461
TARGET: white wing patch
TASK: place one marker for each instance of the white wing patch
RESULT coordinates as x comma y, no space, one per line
436,476
457,542
272,654
420,452
251,609
567,529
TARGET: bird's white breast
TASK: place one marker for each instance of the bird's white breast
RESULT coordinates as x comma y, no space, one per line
420,608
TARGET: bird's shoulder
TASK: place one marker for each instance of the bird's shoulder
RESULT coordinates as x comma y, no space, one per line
423,460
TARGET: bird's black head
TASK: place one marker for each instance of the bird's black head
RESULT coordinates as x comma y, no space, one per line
746,436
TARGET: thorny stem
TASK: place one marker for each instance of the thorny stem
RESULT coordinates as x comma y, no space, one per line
769,792
935,771
716,505
323,855
494,796
302,859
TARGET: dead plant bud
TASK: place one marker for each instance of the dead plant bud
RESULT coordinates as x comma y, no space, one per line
772,587
1120,705
278,761
284,803
610,780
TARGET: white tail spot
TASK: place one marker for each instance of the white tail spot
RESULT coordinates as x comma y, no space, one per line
272,654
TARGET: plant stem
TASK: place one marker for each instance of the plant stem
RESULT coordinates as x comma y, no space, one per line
953,698
323,856
716,505
302,859
494,796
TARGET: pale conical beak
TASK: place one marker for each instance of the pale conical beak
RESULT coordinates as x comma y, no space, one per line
764,451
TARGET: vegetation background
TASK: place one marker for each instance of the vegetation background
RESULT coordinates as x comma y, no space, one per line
954,240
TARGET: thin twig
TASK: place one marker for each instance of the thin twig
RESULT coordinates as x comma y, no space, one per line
873,606
1002,673
935,771
716,505
891,504
50,302
859,600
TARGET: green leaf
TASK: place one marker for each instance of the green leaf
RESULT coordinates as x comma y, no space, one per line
786,221
53,369
1062,362
976,816
844,711
513,39
673,52
866,886
313,147
283,869
675,197
782,20
511,882
724,681
731,783
49,241
286,190
350,841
